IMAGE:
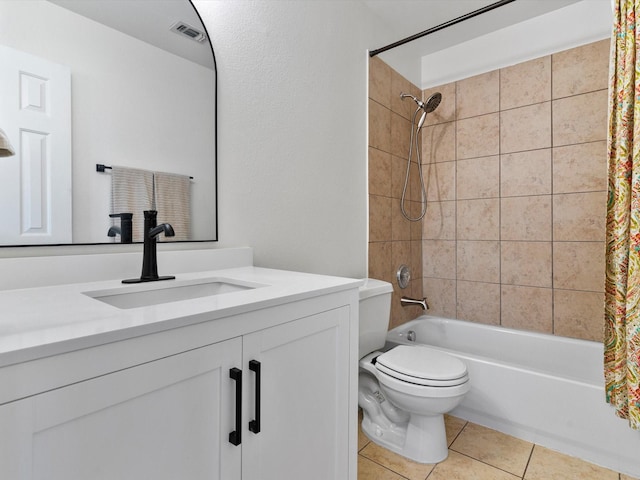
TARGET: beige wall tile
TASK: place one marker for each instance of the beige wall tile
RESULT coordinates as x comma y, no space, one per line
400,136
490,218
478,302
579,216
527,308
414,186
440,181
380,261
439,143
390,132
580,70
525,128
400,226
401,255
379,218
415,210
399,85
478,136
439,259
416,266
478,219
398,174
578,266
578,314
526,263
478,261
580,119
446,111
441,296
478,95
526,218
525,83
379,126
478,178
379,81
546,464
440,221
580,168
494,448
525,173
379,172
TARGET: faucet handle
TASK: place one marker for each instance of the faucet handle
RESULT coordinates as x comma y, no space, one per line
165,228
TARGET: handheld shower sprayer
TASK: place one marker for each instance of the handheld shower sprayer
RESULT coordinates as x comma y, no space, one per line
429,106
426,107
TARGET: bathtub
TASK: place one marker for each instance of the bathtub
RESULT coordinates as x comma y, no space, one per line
540,388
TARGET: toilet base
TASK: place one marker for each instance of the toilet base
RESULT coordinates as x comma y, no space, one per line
423,439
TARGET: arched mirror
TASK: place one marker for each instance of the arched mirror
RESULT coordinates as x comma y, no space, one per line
129,85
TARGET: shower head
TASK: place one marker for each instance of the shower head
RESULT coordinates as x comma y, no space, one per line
430,105
432,102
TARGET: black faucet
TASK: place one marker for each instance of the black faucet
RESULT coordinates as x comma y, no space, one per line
149,255
125,230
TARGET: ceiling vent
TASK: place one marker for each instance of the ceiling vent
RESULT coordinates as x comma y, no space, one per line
184,29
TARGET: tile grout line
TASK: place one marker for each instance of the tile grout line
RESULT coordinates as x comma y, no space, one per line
485,463
528,461
386,467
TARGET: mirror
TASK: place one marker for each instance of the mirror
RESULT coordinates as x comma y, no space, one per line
118,88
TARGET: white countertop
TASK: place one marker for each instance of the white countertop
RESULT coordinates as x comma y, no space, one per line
42,321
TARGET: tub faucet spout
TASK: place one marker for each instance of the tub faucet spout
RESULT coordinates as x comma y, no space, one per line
406,301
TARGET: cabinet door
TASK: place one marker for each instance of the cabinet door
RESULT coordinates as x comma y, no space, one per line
304,431
166,419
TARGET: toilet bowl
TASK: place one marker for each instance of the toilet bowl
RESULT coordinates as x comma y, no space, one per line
405,392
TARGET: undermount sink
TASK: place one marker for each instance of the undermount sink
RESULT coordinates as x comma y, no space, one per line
154,293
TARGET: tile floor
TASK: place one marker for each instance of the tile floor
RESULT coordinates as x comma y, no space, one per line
479,453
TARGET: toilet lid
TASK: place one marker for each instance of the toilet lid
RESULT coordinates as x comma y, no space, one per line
422,365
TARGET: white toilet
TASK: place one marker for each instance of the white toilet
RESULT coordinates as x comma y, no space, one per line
404,392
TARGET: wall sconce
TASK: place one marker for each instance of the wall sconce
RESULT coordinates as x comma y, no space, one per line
6,150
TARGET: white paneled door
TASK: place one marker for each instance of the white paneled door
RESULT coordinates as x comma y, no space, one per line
35,184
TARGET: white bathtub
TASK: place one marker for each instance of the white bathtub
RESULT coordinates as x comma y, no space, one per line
540,388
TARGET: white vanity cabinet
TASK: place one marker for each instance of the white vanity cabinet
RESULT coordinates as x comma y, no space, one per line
304,400
165,419
171,417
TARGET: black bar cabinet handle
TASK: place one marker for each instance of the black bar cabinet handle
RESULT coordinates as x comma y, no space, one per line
235,437
254,425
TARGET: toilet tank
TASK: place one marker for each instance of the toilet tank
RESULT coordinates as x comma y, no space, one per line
375,306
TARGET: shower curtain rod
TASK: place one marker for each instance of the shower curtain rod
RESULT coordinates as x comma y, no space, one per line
442,26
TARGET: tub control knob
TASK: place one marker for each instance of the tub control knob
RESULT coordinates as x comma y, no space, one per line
403,275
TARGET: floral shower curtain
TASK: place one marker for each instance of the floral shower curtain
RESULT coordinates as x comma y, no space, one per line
622,284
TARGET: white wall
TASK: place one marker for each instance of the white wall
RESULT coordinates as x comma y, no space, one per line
112,72
293,130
